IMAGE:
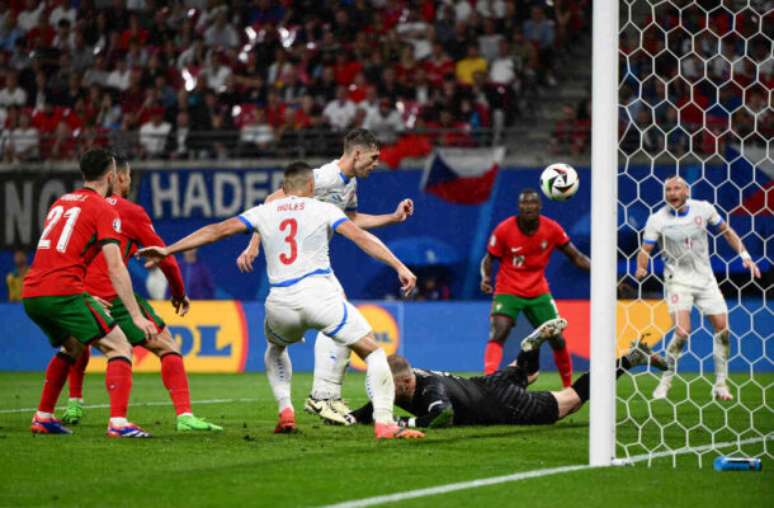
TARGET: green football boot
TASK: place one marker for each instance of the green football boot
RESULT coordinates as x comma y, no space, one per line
74,412
191,423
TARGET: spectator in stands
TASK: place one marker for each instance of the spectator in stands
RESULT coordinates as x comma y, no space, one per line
65,37
221,33
180,145
438,65
257,135
10,33
154,134
15,280
503,67
118,78
12,94
41,36
28,18
340,112
489,41
24,141
432,289
216,73
109,114
62,10
472,63
385,123
197,277
539,30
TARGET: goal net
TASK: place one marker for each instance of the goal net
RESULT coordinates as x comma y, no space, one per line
695,100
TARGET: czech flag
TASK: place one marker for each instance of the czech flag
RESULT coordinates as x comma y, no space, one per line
462,175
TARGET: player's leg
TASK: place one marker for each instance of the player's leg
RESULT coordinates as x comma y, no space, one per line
543,310
680,302
331,360
505,310
74,411
711,303
173,372
60,319
340,320
283,326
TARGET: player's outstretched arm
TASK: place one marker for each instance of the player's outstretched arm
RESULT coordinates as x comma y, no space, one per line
578,258
403,211
374,247
643,256
122,283
736,243
486,274
203,236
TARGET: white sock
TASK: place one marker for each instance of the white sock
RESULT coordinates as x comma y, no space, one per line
76,398
119,421
380,386
330,365
43,415
279,370
720,355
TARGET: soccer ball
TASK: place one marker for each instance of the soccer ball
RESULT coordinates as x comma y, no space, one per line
559,181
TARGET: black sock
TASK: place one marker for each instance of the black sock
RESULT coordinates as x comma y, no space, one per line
529,361
581,385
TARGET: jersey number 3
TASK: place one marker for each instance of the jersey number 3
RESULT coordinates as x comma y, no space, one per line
292,225
53,217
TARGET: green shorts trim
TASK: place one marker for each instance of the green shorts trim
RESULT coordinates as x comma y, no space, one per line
124,320
538,310
60,317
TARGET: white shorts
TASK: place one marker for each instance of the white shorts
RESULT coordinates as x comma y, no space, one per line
314,303
709,300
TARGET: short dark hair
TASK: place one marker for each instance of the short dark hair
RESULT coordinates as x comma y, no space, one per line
359,137
296,175
527,191
122,163
95,163
399,366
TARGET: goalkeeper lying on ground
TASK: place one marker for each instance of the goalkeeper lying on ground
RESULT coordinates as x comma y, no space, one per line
439,399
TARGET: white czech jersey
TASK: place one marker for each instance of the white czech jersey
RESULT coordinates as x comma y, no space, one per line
684,242
295,233
331,186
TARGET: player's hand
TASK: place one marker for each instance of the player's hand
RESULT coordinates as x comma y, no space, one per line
641,273
182,305
148,328
750,265
152,255
408,281
245,260
106,305
486,287
404,210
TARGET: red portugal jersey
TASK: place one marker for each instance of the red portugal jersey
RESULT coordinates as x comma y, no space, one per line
523,258
76,227
137,230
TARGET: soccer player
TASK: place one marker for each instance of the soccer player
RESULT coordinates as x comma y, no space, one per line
681,228
441,399
138,230
295,231
336,183
78,226
523,244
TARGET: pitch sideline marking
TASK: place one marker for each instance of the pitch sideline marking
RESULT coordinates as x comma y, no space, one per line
137,404
525,475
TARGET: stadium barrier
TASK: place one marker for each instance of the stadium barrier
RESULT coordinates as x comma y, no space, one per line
227,335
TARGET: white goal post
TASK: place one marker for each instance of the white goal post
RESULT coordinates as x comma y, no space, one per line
604,196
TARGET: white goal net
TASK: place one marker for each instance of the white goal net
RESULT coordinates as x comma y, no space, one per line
696,100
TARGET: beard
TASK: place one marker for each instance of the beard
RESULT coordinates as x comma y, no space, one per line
109,189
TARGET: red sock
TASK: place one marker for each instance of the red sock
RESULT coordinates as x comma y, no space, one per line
493,355
176,381
118,381
564,364
77,370
56,375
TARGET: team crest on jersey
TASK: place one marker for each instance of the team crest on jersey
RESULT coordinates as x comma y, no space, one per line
698,220
543,244
117,225
112,201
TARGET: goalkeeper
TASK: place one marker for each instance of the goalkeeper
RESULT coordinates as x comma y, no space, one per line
440,399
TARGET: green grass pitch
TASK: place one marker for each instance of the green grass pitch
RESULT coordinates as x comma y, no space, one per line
247,465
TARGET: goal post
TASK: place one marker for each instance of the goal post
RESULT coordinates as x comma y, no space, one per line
604,196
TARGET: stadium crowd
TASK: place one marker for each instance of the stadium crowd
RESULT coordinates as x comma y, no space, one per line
198,79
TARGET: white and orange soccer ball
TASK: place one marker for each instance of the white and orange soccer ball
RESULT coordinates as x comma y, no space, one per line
559,181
